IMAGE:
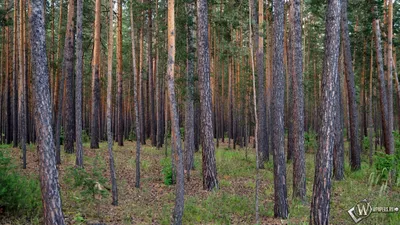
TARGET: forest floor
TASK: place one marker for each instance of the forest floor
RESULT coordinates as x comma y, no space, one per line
233,203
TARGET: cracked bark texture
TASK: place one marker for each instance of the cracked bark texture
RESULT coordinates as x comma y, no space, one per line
278,141
320,207
48,173
210,180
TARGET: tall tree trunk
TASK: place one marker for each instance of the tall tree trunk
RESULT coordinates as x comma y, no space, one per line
261,106
370,121
278,100
387,132
153,125
22,82
15,78
58,93
210,180
178,156
390,66
396,79
78,83
362,97
330,79
189,110
48,173
94,131
299,169
338,149
109,102
136,99
69,81
119,76
348,69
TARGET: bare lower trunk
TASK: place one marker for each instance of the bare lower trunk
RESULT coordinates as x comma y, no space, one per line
137,101
189,110
320,203
348,68
48,173
78,83
208,154
278,99
109,102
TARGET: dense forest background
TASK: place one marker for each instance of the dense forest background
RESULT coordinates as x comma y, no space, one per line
226,111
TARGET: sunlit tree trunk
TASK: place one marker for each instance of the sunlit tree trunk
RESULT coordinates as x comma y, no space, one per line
176,137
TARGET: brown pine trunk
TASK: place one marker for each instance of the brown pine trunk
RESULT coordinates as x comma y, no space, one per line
109,102
387,132
22,82
94,131
48,173
137,100
119,77
152,115
78,84
178,156
299,170
68,64
208,154
348,69
396,79
330,79
189,110
278,103
370,121
390,66
15,78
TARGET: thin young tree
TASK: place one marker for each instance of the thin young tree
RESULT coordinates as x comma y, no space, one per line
255,114
210,180
348,69
94,131
320,203
176,137
299,168
22,82
109,102
136,99
78,84
48,173
189,108
119,77
278,136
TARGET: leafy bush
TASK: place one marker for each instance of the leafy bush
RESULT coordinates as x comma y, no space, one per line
132,135
91,184
85,136
386,164
167,170
19,195
310,140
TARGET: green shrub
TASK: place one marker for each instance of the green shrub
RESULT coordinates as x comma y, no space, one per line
167,170
386,164
19,195
132,135
310,140
85,136
90,184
